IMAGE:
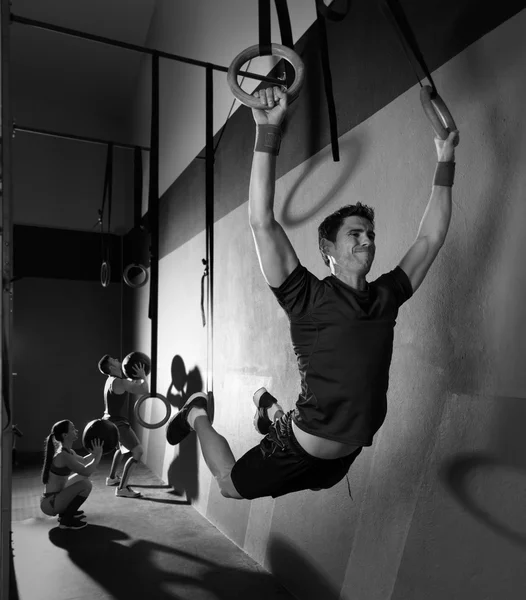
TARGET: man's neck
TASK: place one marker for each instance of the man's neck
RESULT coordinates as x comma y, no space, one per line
354,280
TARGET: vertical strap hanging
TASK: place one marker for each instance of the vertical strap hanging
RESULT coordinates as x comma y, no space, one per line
265,38
105,270
209,194
285,29
137,187
265,48
396,16
153,209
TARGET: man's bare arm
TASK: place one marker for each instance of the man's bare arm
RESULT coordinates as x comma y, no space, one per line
276,255
435,222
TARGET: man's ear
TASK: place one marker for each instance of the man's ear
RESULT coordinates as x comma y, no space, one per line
326,247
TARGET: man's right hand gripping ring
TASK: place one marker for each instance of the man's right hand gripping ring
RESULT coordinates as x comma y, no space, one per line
252,52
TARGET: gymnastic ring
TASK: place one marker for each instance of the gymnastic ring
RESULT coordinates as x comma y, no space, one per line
253,51
136,410
437,112
128,281
105,273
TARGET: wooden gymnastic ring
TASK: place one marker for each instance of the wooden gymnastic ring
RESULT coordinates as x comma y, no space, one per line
136,411
437,112
253,51
128,281
105,273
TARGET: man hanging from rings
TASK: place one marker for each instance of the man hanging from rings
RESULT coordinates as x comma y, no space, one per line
342,330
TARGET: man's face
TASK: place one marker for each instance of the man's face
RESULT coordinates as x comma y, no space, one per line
354,248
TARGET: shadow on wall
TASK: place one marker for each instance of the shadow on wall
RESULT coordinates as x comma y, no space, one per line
285,561
182,473
457,475
155,568
468,363
319,168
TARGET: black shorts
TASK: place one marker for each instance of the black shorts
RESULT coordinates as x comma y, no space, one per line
279,466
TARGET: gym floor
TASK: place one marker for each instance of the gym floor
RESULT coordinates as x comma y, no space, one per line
157,547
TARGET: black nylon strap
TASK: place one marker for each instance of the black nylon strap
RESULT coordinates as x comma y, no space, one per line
327,80
153,209
394,13
285,29
107,194
265,48
137,187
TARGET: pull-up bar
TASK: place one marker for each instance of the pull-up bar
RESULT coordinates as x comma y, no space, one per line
136,48
79,138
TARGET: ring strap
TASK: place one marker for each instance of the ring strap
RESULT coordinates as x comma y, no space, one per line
137,186
327,81
265,48
285,29
394,13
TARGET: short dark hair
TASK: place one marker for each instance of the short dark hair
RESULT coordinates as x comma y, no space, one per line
329,227
104,364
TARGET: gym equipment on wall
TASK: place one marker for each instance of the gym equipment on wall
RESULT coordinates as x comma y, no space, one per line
105,268
434,107
266,48
135,274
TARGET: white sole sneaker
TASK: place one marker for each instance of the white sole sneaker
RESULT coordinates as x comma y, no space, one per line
127,492
113,480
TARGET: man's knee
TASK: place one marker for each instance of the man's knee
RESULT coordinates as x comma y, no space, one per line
228,489
137,452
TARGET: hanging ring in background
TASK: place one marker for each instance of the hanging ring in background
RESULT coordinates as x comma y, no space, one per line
250,53
143,273
437,112
105,273
137,408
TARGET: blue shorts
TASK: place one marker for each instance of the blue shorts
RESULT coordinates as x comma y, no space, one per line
279,466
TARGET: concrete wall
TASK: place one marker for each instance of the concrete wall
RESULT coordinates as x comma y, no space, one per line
437,508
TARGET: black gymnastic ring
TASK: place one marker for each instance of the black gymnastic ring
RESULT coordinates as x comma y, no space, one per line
137,406
128,281
105,273
437,112
253,51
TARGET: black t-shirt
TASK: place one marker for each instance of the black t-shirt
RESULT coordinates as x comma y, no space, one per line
343,340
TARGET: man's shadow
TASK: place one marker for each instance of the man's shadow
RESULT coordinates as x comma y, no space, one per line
145,569
182,473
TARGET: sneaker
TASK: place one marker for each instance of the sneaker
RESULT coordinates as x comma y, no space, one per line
72,524
263,401
178,427
113,480
127,492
